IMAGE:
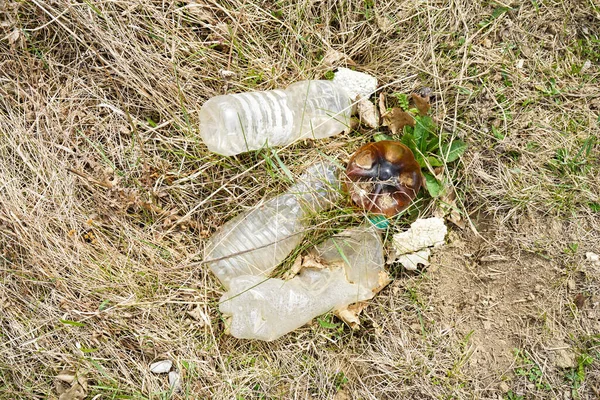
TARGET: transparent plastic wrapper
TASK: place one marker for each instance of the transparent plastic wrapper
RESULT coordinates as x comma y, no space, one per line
255,242
236,123
262,308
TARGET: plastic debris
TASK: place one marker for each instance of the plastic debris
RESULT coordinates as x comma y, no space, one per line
383,177
412,247
349,272
355,83
236,123
255,242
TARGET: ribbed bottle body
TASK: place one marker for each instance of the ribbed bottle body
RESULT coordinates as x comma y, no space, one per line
240,122
321,109
255,242
236,123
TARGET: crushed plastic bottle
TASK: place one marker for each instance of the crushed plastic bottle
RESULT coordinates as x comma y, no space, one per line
255,242
235,123
261,308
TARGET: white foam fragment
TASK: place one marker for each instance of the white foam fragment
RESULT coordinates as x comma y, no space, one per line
412,260
355,83
412,246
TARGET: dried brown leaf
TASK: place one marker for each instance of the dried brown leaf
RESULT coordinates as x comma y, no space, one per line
66,376
198,315
396,120
342,395
14,36
579,300
367,111
354,122
78,391
312,261
447,208
334,58
349,314
294,270
382,107
421,103
384,23
383,279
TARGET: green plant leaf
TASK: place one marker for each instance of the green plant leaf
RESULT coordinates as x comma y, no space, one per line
326,324
434,161
378,137
72,323
409,141
452,151
421,135
433,144
402,100
434,187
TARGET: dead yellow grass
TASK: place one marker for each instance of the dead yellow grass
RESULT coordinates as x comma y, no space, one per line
107,195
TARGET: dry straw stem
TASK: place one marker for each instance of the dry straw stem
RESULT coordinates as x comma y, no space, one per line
107,196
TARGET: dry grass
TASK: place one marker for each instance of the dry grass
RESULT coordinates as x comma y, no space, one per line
107,194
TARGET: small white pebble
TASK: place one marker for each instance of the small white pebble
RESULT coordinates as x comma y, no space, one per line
227,74
174,381
161,367
593,257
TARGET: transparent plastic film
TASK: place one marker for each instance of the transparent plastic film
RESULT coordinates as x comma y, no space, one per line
267,308
256,241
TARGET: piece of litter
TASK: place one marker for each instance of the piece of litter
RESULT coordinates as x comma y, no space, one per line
345,269
174,381
355,83
412,246
412,260
592,257
428,232
161,367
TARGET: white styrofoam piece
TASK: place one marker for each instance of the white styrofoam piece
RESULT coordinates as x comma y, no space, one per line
355,83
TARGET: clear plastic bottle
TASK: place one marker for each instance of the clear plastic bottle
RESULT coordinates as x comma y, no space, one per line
235,123
261,308
255,242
